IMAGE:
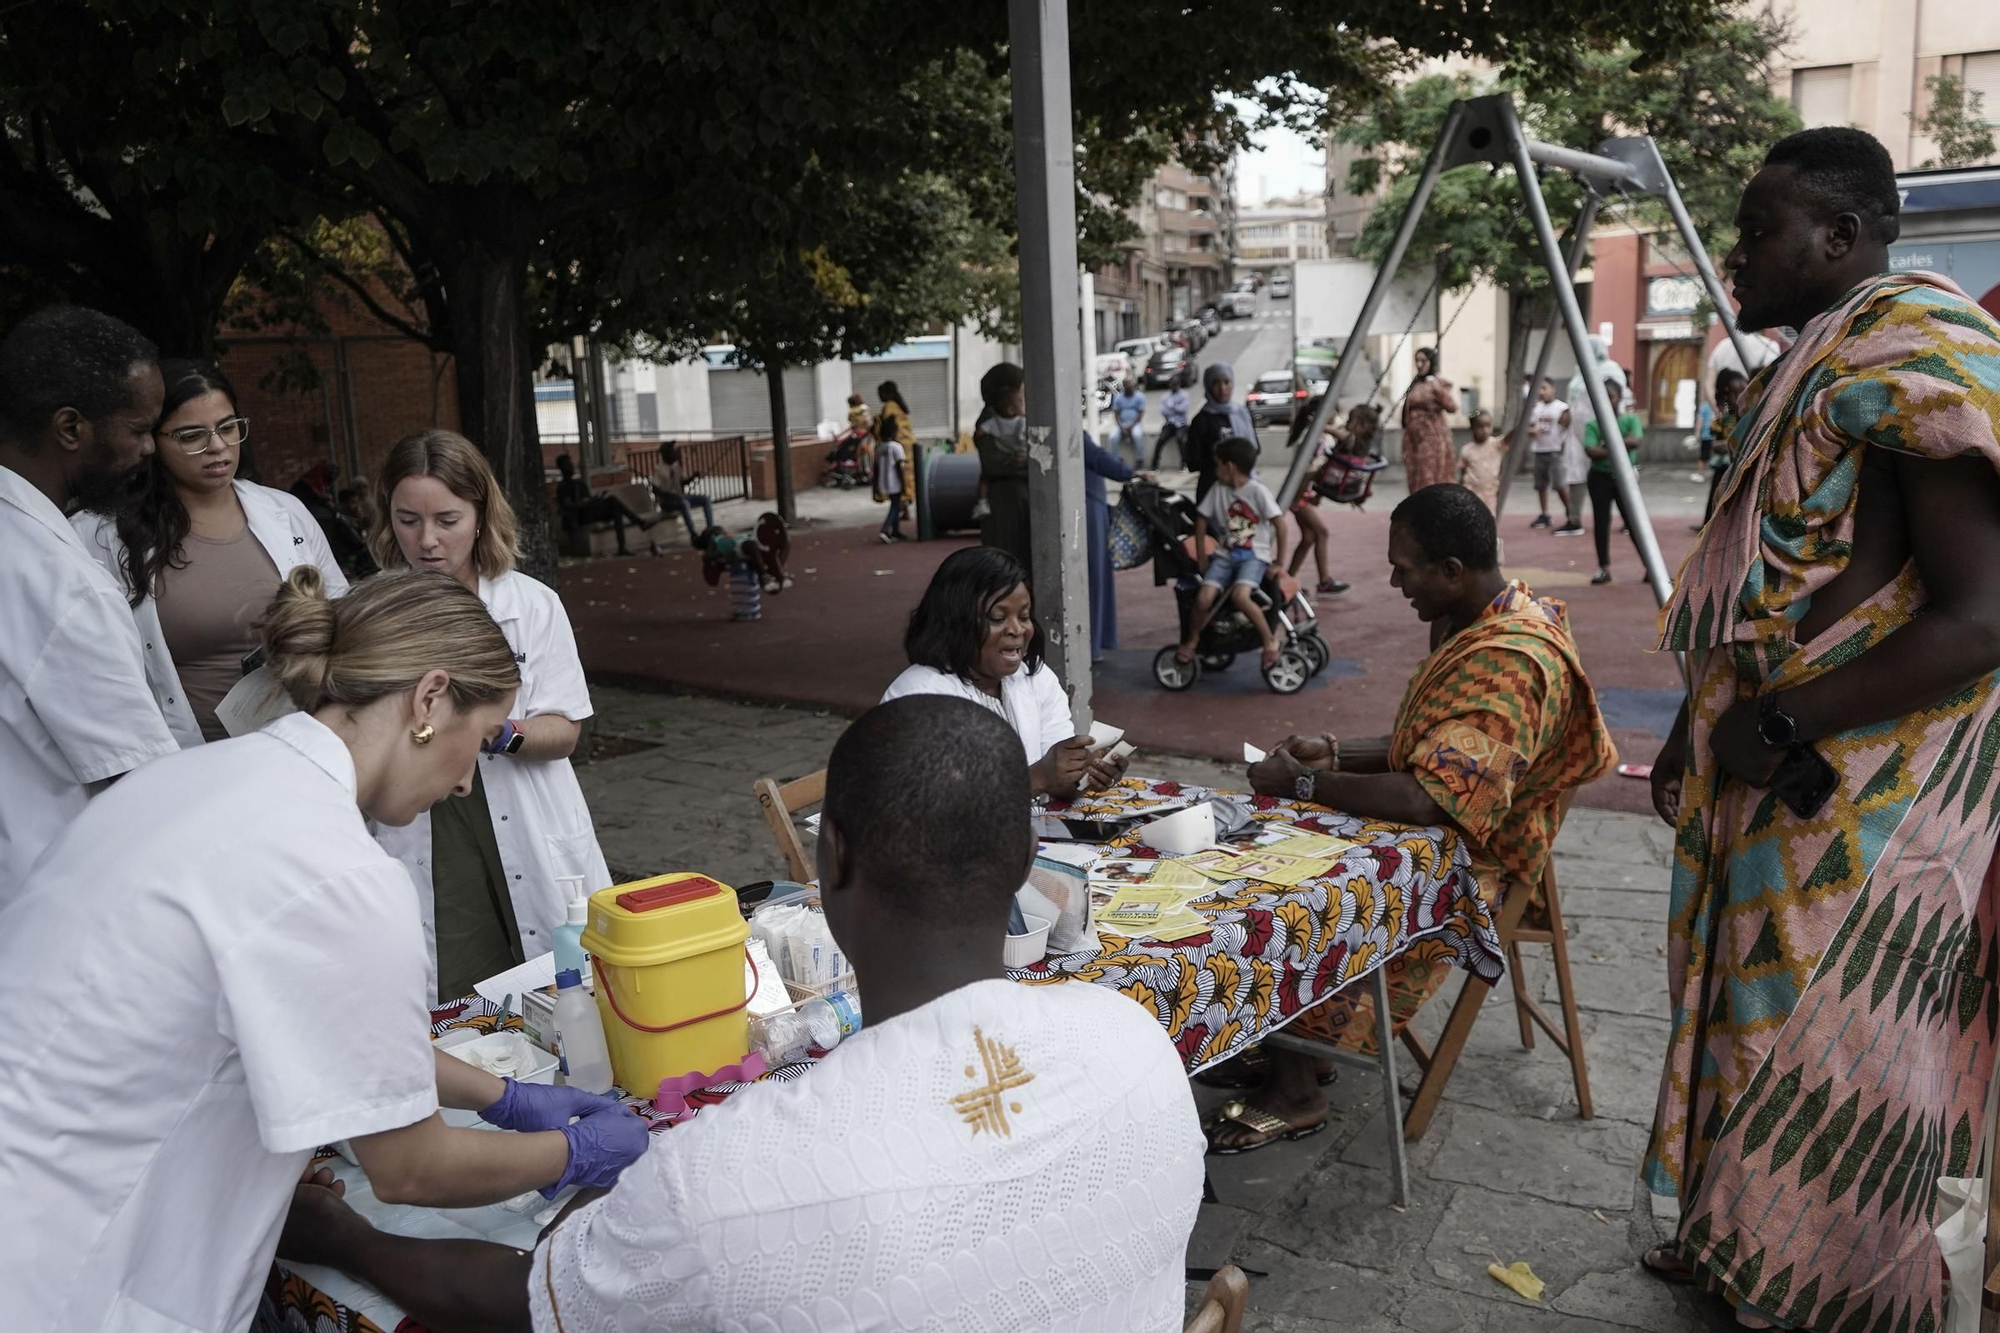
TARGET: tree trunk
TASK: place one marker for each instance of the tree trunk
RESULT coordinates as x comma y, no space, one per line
494,369
781,442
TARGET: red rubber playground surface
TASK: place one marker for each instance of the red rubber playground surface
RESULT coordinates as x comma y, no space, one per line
834,640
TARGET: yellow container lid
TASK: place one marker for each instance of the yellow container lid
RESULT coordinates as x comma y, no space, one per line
663,920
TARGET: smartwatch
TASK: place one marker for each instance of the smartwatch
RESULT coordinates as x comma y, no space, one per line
509,741
1775,727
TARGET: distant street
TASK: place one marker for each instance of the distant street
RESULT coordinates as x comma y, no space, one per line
1251,346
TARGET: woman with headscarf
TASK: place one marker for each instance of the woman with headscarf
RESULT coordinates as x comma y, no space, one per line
1218,419
1001,437
1428,457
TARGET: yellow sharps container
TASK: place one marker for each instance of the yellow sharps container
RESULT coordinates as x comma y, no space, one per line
668,957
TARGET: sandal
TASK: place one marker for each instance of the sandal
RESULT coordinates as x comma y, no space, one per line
1255,1118
1664,1263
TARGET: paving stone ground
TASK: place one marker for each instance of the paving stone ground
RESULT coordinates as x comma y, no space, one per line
1507,1170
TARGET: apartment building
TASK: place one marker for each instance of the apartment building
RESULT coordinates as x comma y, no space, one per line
1281,231
1178,262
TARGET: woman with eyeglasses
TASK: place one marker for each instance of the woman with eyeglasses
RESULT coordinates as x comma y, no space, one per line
200,551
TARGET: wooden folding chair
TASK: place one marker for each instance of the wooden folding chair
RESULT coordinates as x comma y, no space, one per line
780,804
1437,1062
1223,1304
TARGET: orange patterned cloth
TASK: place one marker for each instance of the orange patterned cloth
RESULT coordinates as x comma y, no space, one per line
1496,726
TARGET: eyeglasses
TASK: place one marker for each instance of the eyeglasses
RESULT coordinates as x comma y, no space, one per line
194,440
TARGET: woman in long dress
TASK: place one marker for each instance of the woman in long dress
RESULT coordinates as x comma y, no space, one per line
1428,457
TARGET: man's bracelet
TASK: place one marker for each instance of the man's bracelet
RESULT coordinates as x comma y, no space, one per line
1333,748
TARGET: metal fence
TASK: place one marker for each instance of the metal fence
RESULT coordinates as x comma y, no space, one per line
718,468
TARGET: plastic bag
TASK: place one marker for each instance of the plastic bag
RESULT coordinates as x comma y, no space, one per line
1059,893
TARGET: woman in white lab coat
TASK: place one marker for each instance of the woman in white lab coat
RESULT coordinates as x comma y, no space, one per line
201,552
215,969
974,636
489,866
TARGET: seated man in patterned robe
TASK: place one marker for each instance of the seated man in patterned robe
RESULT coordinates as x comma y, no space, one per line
982,1155
1831,947
1497,725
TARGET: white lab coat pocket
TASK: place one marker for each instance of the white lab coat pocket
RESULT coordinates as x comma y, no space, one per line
129,1315
575,854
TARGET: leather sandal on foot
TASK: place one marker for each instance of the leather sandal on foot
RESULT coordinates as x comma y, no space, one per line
1260,1121
1664,1263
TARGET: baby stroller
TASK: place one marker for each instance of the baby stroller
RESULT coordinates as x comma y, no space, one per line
845,467
1169,520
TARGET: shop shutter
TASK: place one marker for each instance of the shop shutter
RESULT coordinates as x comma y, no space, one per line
739,402
926,387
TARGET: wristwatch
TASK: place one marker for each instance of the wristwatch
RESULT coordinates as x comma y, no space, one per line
1304,785
1776,727
509,741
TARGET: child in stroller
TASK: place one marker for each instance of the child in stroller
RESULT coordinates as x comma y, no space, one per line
849,462
1170,524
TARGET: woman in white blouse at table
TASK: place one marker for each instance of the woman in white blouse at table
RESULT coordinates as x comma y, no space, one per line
214,970
200,552
974,636
488,865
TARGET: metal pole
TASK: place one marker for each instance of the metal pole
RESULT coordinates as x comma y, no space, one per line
1578,244
1692,240
1392,1097
1579,163
1045,174
1413,214
1579,337
1087,310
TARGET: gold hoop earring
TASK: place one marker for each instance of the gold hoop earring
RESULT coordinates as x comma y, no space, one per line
422,735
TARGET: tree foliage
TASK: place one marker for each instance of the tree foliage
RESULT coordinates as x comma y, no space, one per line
805,177
1712,114
1956,123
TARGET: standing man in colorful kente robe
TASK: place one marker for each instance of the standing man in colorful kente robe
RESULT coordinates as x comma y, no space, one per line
1832,971
1498,724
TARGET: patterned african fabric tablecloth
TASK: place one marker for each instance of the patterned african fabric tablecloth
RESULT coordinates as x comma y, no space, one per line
1269,954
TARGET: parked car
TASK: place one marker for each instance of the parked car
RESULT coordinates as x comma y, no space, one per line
1281,288
1239,304
1190,332
1211,319
1167,365
1136,351
1274,397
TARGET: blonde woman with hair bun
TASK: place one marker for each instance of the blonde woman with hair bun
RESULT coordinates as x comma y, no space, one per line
488,865
215,969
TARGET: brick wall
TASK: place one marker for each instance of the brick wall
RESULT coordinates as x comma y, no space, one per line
393,385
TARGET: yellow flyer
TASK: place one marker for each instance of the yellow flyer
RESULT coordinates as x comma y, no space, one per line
1311,844
1266,867
1160,874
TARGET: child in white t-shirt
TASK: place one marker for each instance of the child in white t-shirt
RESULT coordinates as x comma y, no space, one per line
1250,538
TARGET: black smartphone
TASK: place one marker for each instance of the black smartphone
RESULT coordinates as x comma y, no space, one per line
253,659
1804,781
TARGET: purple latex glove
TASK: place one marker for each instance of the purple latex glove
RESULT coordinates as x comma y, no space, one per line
608,1139
532,1106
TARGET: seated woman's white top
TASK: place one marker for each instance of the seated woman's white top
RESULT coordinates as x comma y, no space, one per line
1034,703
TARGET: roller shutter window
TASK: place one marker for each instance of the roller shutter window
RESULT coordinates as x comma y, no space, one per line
739,403
926,387
1824,96
1982,75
